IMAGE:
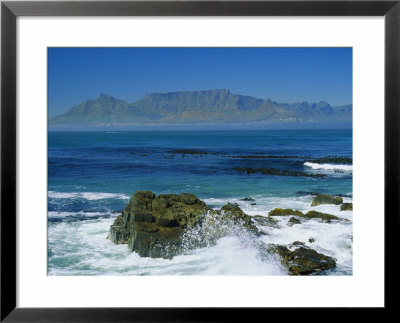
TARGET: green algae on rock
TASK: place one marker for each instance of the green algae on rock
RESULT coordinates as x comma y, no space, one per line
233,213
284,212
156,226
326,199
346,207
293,221
265,221
301,260
309,215
319,215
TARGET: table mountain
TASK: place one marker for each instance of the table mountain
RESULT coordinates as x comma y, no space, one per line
197,107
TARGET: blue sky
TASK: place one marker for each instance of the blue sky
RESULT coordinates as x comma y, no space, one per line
285,75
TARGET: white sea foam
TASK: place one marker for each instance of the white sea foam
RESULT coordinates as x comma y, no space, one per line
340,167
87,195
56,214
333,239
81,248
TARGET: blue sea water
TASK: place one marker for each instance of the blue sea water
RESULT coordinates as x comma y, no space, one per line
91,176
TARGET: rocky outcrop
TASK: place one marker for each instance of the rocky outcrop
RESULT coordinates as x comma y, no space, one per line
309,215
319,215
346,207
247,199
326,199
283,212
265,221
293,221
301,260
159,226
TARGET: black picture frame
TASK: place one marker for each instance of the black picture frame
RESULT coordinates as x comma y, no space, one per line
10,10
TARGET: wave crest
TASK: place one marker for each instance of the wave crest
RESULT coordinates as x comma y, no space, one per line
87,195
341,167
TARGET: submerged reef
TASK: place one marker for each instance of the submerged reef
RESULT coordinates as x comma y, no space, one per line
332,160
278,172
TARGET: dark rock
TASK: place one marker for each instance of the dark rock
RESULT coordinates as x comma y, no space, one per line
309,215
233,213
284,212
247,199
293,220
152,226
333,160
118,234
304,193
303,260
326,199
265,221
160,226
346,207
319,215
275,171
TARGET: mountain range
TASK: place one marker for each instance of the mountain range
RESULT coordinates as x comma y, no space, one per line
198,107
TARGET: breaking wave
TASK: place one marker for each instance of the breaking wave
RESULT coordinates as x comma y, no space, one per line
340,167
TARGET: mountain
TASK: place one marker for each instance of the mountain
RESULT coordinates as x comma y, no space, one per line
198,107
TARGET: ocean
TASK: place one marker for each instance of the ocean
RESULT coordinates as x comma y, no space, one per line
92,175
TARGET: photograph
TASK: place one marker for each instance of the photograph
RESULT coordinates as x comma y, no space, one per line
200,161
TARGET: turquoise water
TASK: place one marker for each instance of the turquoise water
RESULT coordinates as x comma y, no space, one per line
93,174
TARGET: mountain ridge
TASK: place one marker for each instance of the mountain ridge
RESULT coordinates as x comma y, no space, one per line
217,106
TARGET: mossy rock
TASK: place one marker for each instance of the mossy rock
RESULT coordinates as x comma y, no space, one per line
118,234
303,260
233,213
284,212
153,225
346,207
319,215
157,226
265,221
326,199
293,221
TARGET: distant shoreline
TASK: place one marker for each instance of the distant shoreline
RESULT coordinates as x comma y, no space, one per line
199,127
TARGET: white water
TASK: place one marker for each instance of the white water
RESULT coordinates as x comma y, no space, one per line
81,247
91,196
346,168
64,214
